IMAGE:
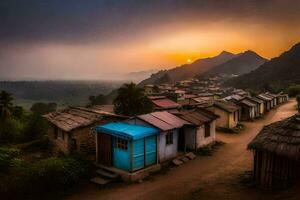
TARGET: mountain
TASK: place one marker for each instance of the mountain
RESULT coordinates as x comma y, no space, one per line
189,70
139,75
243,63
275,75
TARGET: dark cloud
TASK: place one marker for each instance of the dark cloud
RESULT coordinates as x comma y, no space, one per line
34,21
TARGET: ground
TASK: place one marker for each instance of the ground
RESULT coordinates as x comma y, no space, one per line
207,177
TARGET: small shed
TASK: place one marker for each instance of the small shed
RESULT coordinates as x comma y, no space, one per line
202,128
248,109
267,102
277,154
229,114
126,146
171,136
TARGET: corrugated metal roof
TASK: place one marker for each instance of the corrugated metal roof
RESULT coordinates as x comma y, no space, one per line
225,105
127,131
197,117
165,103
247,103
76,117
163,120
264,97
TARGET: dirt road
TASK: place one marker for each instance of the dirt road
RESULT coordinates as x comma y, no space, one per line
206,177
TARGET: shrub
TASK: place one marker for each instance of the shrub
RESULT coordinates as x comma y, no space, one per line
294,90
48,177
10,131
8,158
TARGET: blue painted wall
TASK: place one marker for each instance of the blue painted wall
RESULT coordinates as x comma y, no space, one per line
121,158
151,150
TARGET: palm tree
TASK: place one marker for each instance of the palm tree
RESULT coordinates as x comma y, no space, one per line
131,101
6,105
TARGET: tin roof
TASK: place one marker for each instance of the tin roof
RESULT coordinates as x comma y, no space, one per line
247,103
226,106
165,103
264,97
197,117
127,131
163,120
76,117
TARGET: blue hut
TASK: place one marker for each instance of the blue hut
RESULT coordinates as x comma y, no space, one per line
126,146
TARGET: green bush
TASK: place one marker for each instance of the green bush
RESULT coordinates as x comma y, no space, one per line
48,177
10,131
294,90
8,158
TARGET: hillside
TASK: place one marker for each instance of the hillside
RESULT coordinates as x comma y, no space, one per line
274,75
190,70
241,64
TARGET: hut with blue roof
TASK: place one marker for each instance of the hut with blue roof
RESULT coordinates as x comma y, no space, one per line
125,146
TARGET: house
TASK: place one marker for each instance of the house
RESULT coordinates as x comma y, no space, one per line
277,154
267,102
260,110
229,114
127,149
164,103
281,98
273,97
170,135
71,129
248,109
202,128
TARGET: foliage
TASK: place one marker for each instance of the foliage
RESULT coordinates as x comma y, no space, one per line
6,105
8,158
35,127
18,112
45,177
10,131
97,100
294,90
43,108
131,100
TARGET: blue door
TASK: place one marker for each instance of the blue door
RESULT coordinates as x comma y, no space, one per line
138,154
121,154
150,150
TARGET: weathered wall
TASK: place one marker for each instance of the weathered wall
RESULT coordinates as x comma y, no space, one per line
189,136
204,141
223,120
167,152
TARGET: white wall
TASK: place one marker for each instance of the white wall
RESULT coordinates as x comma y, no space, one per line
167,152
202,140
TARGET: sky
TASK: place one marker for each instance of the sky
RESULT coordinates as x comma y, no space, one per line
104,39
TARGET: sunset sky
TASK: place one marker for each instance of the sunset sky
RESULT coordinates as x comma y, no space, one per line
89,39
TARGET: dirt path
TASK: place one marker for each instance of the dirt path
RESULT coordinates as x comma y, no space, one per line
209,174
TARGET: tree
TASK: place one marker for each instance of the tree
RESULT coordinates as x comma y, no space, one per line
97,100
35,127
131,100
294,90
43,108
6,105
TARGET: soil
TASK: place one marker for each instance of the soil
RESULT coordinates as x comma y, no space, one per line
224,175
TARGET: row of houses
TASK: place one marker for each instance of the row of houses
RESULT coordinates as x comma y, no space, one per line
131,147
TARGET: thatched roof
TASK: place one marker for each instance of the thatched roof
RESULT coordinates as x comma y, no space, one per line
76,117
281,138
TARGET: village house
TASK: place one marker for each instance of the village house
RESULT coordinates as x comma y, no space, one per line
277,154
150,89
229,114
248,109
273,97
281,98
163,103
171,132
202,128
124,149
71,129
260,105
267,102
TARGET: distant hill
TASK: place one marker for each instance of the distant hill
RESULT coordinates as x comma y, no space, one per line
275,75
139,75
187,71
243,63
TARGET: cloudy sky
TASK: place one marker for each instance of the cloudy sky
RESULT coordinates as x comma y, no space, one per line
79,39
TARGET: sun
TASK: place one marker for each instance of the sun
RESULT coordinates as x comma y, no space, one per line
188,60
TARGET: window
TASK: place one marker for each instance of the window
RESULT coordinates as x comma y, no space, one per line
121,144
207,130
169,138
